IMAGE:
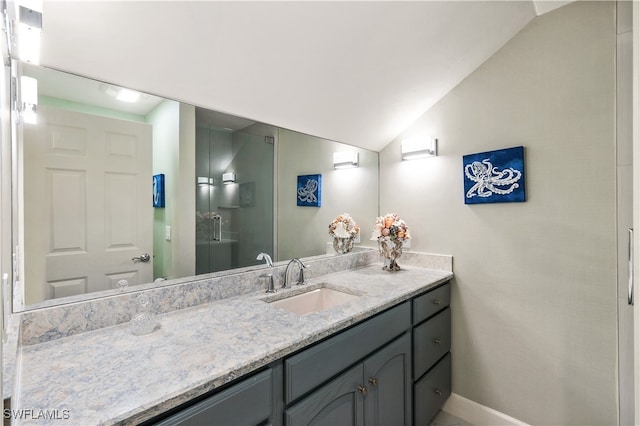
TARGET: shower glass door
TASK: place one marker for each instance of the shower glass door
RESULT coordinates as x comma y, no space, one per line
234,195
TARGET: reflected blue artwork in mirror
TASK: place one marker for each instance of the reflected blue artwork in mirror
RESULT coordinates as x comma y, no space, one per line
158,191
309,190
494,176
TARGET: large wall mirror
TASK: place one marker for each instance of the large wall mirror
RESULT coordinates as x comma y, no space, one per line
105,176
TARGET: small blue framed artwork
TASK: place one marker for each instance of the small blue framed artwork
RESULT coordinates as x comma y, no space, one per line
158,191
309,191
494,176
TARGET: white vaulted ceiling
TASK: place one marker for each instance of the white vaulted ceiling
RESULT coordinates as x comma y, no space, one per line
355,72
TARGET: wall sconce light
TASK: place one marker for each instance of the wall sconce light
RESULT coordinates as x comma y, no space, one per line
228,178
28,99
29,29
203,180
417,147
345,159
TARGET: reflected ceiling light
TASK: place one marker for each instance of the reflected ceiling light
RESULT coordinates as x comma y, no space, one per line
418,147
29,29
345,159
28,99
128,95
228,178
120,93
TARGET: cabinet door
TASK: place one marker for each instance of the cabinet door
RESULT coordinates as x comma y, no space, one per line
339,402
387,375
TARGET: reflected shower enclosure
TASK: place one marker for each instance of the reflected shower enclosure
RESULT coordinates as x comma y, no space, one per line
234,217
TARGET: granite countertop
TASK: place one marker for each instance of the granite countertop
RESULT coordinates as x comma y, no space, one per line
109,375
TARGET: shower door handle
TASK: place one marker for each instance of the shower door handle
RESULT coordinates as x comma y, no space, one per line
630,269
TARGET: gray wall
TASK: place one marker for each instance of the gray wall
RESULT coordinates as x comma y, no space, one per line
534,294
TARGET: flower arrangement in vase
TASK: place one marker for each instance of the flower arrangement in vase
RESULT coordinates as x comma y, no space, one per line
391,232
343,229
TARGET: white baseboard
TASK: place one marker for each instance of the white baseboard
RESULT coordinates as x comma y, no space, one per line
477,414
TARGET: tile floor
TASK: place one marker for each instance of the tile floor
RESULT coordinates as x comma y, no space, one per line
445,419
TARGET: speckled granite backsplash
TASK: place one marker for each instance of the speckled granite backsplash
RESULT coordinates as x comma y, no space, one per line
55,322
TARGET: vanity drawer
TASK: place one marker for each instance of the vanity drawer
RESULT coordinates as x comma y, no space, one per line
316,365
248,402
431,340
431,392
431,302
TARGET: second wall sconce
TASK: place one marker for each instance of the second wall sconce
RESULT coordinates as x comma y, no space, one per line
228,178
345,159
418,147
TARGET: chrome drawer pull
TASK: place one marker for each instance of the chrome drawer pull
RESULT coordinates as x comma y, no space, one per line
437,341
436,302
437,391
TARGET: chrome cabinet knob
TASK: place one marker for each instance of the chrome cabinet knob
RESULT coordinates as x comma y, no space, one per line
362,389
437,341
373,381
436,302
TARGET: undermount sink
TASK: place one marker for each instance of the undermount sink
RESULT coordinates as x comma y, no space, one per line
314,301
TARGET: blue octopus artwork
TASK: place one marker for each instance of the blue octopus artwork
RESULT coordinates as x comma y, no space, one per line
309,191
494,176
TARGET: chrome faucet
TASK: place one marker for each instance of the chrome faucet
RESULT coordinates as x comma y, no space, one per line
266,257
300,275
271,286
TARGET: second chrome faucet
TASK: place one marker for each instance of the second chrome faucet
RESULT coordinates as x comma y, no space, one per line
285,279
300,275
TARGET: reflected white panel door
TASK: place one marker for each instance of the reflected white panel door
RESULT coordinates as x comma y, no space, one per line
88,211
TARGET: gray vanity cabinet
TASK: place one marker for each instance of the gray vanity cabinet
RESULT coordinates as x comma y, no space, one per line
391,369
376,391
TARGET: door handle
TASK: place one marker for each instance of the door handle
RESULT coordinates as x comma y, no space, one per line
145,257
630,269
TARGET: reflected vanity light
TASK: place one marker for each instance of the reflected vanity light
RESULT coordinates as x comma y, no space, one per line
29,29
418,147
345,159
228,178
203,180
28,99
